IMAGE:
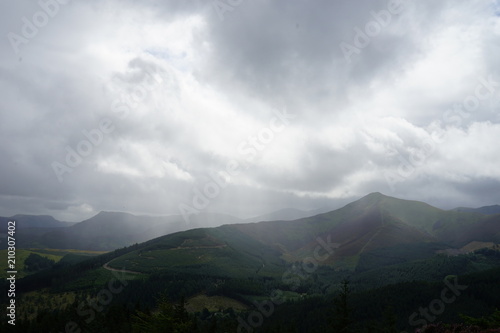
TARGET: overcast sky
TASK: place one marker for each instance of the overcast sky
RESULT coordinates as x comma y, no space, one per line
245,107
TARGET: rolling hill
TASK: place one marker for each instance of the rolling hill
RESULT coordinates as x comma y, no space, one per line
486,210
367,225
391,248
371,222
33,221
111,230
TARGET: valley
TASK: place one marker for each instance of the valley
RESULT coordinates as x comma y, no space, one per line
388,256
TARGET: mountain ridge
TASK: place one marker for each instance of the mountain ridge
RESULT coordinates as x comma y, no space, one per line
486,210
111,230
372,223
24,221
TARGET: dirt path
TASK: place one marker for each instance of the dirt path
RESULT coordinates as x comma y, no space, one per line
106,266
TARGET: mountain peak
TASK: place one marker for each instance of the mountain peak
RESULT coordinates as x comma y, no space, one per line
374,197
370,201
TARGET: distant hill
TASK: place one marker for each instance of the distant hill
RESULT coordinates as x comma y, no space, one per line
486,210
30,226
373,242
110,230
372,222
33,221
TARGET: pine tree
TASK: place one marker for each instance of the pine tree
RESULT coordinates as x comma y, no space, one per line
342,322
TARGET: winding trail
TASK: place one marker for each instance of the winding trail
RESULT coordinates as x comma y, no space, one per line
106,266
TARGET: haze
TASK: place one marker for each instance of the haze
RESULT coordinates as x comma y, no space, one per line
245,107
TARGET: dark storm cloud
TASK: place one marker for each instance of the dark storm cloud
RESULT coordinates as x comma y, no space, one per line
138,105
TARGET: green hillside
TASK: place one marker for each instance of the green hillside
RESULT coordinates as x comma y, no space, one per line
220,251
21,256
373,223
220,273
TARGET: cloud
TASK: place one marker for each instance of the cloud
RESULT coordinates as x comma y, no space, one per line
135,106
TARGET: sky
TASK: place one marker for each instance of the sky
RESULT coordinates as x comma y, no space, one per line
246,106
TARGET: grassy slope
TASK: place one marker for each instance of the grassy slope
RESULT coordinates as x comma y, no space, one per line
53,254
387,239
371,223
219,251
21,255
375,229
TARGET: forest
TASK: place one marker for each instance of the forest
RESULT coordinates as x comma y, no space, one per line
157,302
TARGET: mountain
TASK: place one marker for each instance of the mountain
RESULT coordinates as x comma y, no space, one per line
410,249
30,226
486,210
413,230
370,223
111,230
33,221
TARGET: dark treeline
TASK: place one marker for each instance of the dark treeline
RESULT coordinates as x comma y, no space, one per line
36,262
388,309
146,305
322,303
